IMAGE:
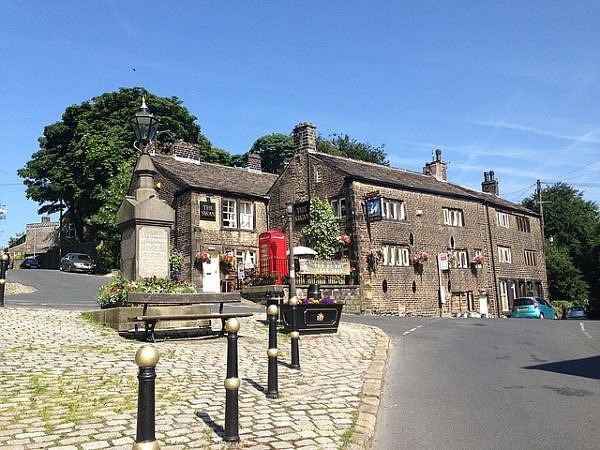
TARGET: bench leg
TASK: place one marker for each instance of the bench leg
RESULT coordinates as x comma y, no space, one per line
149,330
222,332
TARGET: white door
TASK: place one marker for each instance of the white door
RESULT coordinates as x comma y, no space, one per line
483,306
211,278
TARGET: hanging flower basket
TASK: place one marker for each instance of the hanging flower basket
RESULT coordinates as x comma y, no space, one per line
477,263
227,262
344,240
201,258
421,258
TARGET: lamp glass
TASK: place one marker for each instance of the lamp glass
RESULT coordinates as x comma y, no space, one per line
289,206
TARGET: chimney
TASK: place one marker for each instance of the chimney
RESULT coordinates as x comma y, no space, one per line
254,163
436,168
185,150
490,184
305,138
45,219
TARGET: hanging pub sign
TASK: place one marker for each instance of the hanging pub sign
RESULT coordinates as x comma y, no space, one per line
301,213
208,211
373,205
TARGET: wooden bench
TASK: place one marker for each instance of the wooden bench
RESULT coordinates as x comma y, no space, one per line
201,298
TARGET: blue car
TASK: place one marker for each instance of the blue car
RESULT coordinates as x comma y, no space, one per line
30,263
533,308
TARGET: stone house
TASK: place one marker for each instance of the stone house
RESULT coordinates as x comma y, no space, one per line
394,214
219,213
483,250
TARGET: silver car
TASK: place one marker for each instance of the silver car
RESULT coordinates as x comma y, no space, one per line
575,312
77,262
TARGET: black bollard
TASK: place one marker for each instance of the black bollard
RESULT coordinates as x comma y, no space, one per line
272,388
3,268
146,358
294,334
232,383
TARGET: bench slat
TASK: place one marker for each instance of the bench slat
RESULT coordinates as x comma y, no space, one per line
188,317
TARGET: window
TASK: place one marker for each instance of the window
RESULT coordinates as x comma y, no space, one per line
246,216
318,177
504,255
530,259
394,255
229,213
71,231
245,258
393,210
338,206
453,217
523,224
503,220
459,259
504,296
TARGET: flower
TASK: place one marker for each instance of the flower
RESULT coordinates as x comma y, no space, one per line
314,301
115,292
477,259
421,257
344,239
227,262
203,257
176,263
374,258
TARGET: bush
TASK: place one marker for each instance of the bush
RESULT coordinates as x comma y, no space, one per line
115,292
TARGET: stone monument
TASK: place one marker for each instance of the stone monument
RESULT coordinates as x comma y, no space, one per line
145,222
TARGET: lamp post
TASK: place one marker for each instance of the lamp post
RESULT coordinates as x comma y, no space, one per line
144,126
293,300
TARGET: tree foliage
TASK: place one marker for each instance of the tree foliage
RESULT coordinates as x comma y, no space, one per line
321,234
573,258
85,160
277,149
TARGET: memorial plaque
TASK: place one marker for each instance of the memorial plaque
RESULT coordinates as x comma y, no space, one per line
153,252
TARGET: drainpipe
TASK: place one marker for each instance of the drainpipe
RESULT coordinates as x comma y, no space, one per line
492,258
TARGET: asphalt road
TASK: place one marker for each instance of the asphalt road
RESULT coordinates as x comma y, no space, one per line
490,384
55,289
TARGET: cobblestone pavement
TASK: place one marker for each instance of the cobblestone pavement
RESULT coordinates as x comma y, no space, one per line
67,383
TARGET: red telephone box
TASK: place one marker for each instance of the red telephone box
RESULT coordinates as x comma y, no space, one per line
272,255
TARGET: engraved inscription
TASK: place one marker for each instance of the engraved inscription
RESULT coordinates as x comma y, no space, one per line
153,254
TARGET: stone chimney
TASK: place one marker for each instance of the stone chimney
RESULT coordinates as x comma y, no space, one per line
45,219
490,184
436,168
185,150
305,138
254,162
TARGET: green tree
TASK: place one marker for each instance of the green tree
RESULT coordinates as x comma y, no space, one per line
565,280
323,230
574,225
275,150
343,145
85,157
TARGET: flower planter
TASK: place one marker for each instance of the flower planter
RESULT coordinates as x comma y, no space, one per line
313,318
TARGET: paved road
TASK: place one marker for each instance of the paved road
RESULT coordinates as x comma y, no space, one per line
55,289
490,384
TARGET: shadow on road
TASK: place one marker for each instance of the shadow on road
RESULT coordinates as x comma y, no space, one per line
585,367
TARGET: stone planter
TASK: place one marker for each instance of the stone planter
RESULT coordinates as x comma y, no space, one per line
313,318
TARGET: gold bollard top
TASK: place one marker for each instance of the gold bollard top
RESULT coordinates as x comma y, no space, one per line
293,301
272,310
232,325
146,356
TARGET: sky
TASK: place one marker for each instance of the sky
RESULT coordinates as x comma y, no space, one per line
508,86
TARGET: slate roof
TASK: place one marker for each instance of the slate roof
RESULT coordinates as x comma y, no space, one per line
213,177
399,178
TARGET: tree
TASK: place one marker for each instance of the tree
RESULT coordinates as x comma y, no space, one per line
342,145
321,234
275,150
565,280
85,157
574,225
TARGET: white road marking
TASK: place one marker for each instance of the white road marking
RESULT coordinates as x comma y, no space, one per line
588,335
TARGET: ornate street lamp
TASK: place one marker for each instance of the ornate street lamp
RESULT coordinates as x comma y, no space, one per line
293,300
144,126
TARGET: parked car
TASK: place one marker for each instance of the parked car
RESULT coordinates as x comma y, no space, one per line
575,312
30,263
77,262
534,308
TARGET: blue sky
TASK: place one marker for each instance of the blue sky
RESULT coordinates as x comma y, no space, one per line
508,86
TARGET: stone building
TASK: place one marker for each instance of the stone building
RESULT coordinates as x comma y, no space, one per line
483,250
494,248
219,213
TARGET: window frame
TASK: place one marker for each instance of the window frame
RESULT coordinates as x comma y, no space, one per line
530,257
453,217
249,215
503,219
504,254
394,210
233,224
